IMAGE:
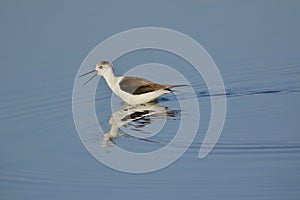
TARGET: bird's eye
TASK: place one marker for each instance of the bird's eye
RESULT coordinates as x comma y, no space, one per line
100,67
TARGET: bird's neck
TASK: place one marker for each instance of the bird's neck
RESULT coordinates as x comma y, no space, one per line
110,78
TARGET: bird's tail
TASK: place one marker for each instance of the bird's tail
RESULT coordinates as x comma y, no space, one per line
173,86
170,87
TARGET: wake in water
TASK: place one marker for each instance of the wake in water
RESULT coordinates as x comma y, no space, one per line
247,92
230,93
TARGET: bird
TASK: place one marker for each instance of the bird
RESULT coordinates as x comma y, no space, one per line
132,90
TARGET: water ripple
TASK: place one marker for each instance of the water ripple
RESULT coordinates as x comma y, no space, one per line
251,148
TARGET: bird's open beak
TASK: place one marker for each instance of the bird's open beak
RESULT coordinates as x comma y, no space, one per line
87,73
93,71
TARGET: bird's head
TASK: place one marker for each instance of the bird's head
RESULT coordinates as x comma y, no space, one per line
101,67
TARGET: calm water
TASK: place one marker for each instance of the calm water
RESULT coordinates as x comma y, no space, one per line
256,46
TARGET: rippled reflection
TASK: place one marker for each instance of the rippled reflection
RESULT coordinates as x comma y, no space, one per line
136,118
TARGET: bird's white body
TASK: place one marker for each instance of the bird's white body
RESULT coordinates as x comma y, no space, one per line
114,84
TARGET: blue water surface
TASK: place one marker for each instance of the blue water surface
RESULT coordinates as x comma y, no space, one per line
255,44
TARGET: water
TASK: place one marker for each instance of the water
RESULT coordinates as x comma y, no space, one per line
256,47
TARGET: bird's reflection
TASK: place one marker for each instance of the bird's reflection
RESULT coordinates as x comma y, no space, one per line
136,118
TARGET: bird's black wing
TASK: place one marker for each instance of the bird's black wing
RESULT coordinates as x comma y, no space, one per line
136,86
